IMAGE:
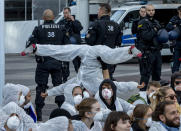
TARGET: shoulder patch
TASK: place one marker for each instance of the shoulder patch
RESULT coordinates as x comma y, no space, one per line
139,26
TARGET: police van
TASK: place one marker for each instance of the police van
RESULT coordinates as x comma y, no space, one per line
125,15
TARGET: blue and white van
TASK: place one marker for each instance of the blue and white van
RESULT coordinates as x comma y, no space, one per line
125,15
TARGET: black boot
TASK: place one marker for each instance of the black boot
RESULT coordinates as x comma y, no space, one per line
39,114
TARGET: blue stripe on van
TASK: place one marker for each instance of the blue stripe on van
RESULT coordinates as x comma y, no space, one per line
83,36
128,39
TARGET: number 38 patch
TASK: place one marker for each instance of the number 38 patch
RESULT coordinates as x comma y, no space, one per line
51,34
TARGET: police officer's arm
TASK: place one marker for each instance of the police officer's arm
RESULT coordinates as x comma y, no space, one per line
145,31
92,34
34,38
77,27
134,27
172,23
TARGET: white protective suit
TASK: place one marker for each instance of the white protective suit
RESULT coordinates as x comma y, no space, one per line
121,105
26,121
56,124
11,93
3,119
81,126
69,105
90,72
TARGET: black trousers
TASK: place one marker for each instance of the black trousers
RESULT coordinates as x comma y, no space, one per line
48,66
111,69
150,65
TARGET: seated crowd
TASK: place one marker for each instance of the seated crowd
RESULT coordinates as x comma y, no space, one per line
157,109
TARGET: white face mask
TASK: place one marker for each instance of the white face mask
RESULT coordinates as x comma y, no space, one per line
27,105
13,122
86,94
98,116
21,100
151,94
149,122
106,93
77,99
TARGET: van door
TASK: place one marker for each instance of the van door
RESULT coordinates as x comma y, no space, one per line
126,24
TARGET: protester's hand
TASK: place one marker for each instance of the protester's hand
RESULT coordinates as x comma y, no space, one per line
30,129
44,95
141,86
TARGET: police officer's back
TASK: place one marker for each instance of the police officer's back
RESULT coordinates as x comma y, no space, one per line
47,33
105,32
175,22
149,46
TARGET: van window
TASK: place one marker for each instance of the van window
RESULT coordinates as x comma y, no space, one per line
127,22
164,15
117,15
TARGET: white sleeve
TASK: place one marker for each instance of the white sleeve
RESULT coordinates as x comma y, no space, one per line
61,52
127,107
126,89
138,102
56,91
59,90
113,56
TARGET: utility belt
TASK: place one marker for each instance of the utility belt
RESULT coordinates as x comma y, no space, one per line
41,59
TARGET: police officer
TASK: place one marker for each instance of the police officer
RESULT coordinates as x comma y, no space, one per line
175,22
105,32
148,44
47,33
142,13
73,28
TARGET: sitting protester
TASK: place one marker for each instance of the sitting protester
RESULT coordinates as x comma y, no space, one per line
108,99
166,116
144,97
117,121
28,106
21,121
142,117
60,123
21,95
164,94
73,97
88,111
176,84
9,123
